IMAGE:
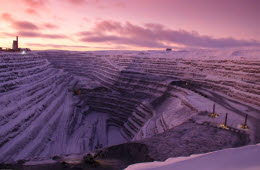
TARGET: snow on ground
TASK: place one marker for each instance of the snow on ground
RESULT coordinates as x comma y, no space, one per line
244,158
236,111
208,54
126,95
39,113
228,77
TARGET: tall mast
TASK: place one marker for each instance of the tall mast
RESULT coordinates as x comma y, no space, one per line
17,41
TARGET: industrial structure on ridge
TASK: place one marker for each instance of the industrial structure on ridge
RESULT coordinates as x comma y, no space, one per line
15,44
15,47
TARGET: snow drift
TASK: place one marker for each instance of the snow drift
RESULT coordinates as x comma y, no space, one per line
244,158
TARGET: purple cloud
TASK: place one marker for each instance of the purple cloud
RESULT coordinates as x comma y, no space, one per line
122,41
155,35
40,35
56,45
50,26
24,25
19,25
28,29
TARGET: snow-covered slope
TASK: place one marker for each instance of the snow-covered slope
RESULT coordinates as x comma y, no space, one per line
32,105
244,158
130,98
228,78
61,102
38,114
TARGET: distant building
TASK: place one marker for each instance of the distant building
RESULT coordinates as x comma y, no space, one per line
15,47
15,44
168,49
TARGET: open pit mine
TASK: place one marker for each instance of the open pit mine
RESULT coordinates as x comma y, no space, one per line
60,103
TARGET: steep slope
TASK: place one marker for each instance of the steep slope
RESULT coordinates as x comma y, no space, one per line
236,158
61,102
38,114
129,97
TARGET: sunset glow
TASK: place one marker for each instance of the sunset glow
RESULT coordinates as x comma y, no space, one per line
129,24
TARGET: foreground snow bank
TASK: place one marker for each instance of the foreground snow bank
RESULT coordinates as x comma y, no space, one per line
244,158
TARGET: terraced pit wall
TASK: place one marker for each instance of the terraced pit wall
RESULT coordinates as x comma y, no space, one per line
42,116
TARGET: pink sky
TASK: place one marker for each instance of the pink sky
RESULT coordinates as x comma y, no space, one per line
129,24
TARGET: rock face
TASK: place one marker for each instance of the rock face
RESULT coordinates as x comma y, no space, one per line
36,107
59,102
192,138
131,98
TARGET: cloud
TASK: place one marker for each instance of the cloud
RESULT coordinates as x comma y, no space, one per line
7,17
41,35
24,25
50,26
19,25
76,2
155,35
5,34
122,40
56,45
99,4
31,11
35,3
28,29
